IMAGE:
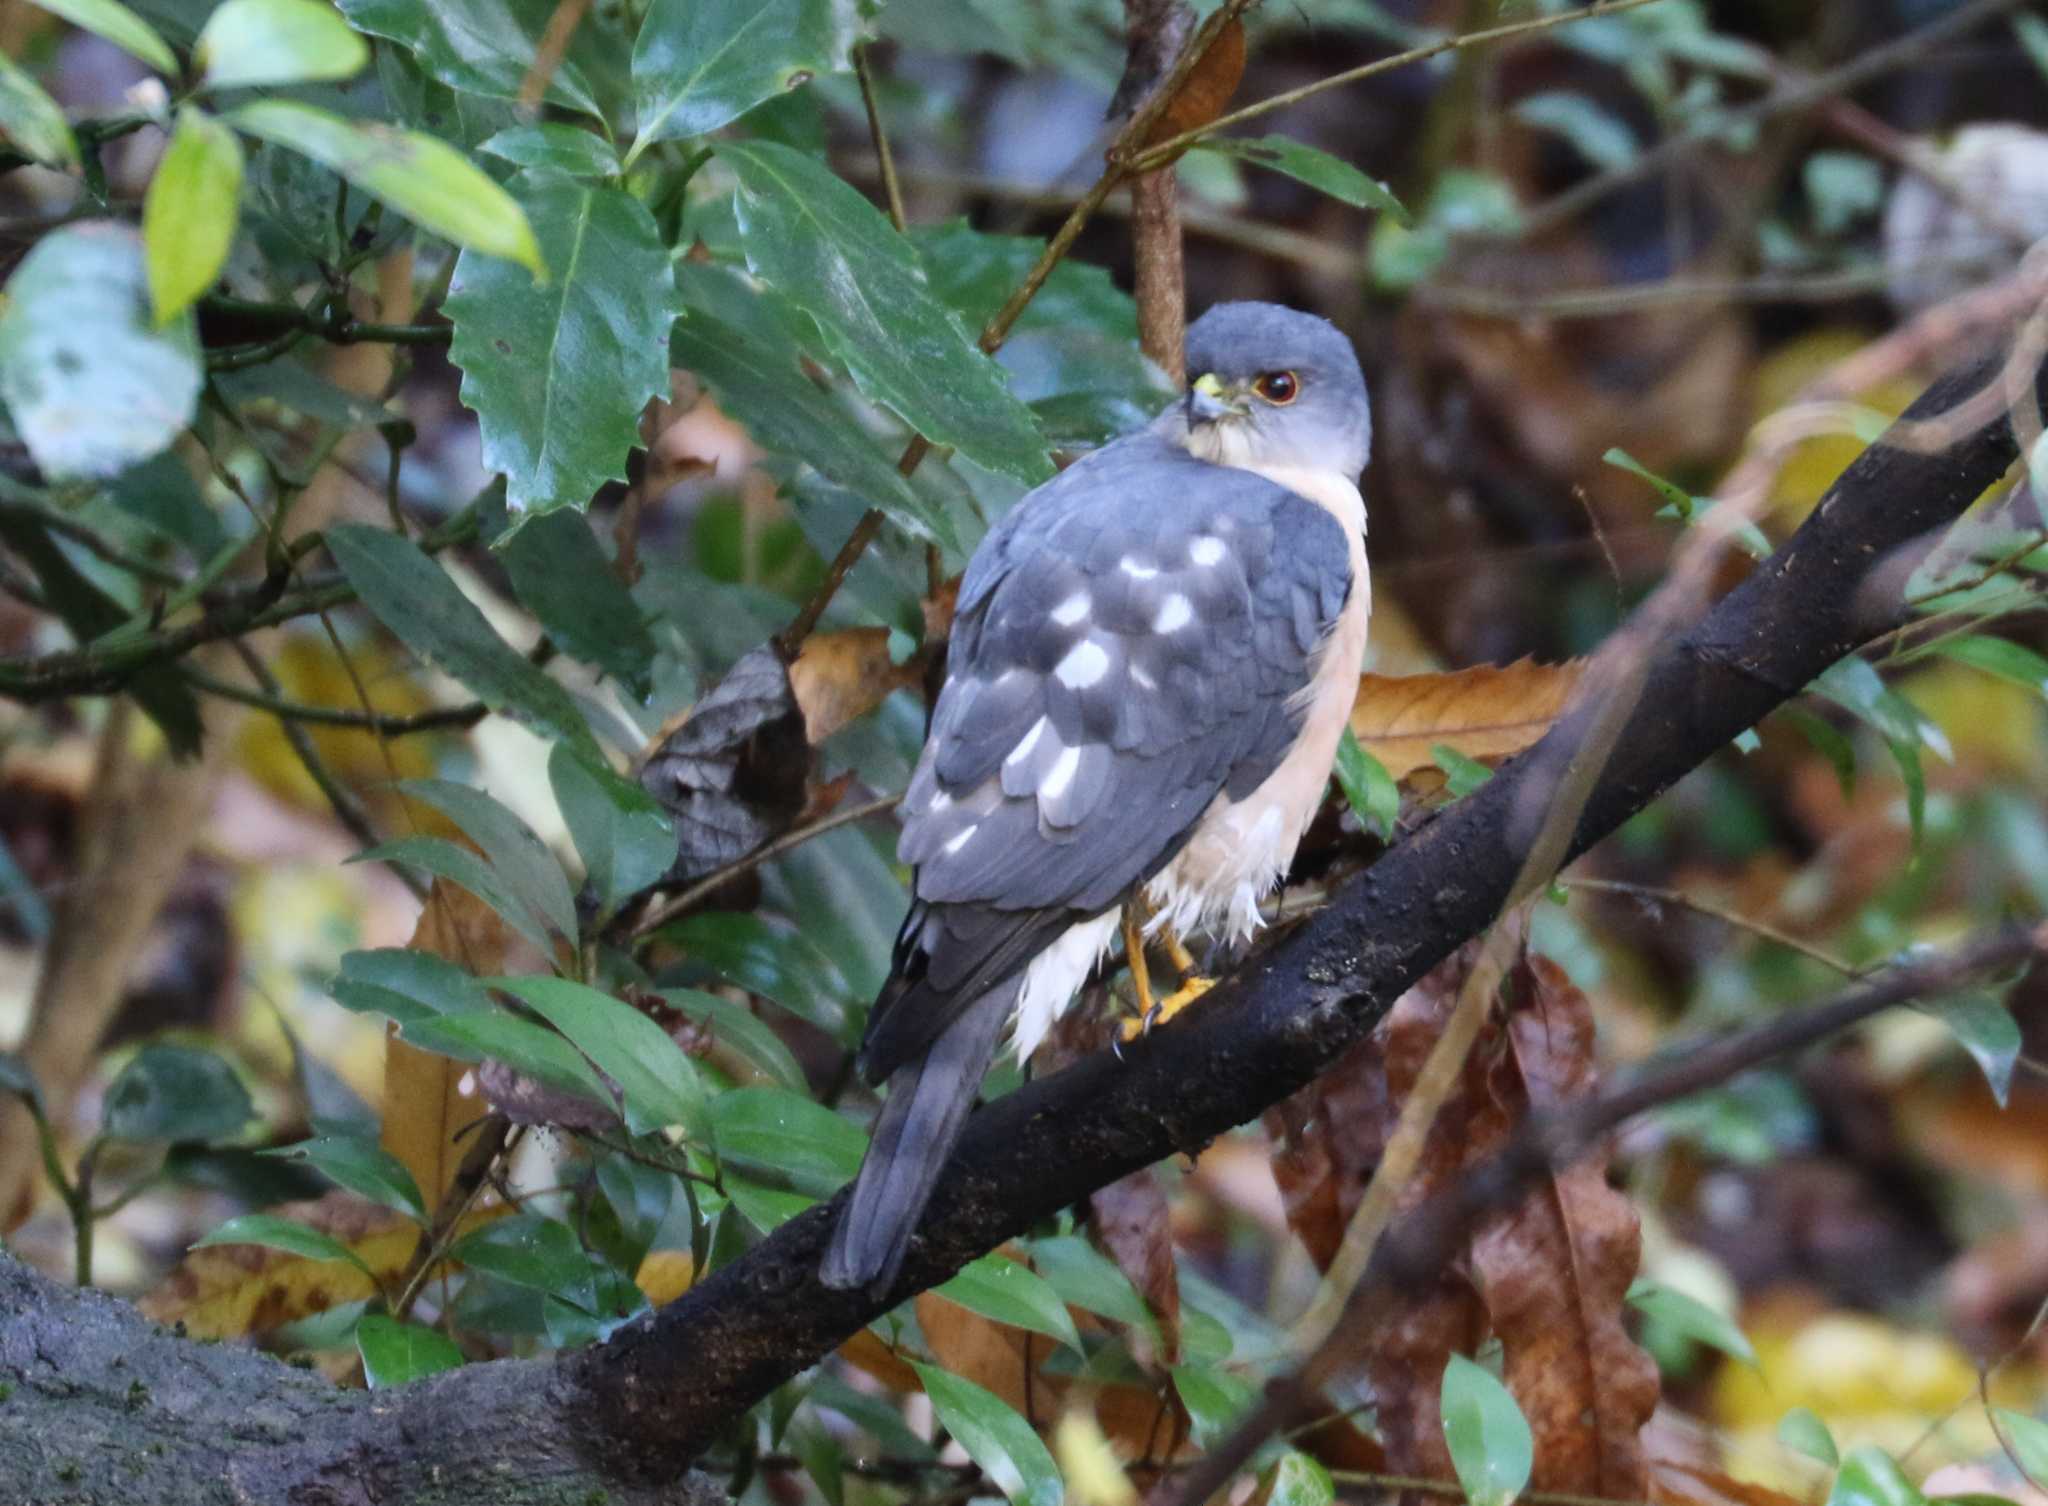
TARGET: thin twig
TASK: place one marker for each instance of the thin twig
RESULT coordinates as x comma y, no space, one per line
1595,303
20,506
441,718
1713,911
695,895
892,191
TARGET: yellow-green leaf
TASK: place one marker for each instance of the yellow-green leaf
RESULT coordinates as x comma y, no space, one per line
117,24
32,120
425,179
189,213
248,42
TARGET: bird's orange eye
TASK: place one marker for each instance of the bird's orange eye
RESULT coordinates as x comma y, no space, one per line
1278,387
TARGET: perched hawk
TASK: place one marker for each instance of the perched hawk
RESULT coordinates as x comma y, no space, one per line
1153,657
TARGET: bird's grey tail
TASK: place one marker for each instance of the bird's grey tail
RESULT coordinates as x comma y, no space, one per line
914,1135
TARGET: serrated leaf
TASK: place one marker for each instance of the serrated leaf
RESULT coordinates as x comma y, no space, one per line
625,838
1690,1317
551,144
995,1437
658,1082
1491,1447
250,42
479,46
829,251
422,177
190,211
394,1352
519,857
415,599
754,365
700,64
519,1044
362,1166
91,381
32,120
558,374
1802,1430
276,1233
1318,169
118,24
565,579
998,1287
772,1129
175,1093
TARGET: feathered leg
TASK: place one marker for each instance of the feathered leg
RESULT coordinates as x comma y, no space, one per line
914,1136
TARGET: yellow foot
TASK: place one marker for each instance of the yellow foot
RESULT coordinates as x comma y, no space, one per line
1191,989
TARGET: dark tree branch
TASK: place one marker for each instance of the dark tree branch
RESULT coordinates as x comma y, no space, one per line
659,1391
637,1409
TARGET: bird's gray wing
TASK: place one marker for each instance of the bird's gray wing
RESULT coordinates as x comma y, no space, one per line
1129,642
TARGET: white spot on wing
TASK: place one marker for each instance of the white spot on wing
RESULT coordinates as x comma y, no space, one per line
1072,610
1086,663
1061,774
1175,613
1136,569
1206,551
1025,744
960,839
939,802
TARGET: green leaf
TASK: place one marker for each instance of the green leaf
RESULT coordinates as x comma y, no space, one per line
276,1233
626,839
1871,1477
2033,34
551,144
974,273
995,1437
32,120
755,366
998,1287
2028,1438
481,46
531,1251
1842,187
251,42
1855,686
1600,136
783,965
362,1166
766,1208
566,580
658,1082
815,239
737,1027
415,599
92,383
1802,1430
440,858
2001,657
1491,1446
1980,1020
422,177
1297,1480
1215,1399
190,210
1462,775
1375,798
700,64
773,1129
117,24
1830,744
1318,169
175,1093
519,1044
1690,1317
394,1352
1684,506
558,374
1086,1278
519,858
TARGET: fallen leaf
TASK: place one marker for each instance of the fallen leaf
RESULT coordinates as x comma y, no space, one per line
1486,713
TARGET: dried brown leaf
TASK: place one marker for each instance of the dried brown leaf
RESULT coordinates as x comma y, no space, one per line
839,677
1487,712
1553,1272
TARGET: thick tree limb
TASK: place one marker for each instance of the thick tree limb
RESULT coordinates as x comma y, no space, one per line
637,1409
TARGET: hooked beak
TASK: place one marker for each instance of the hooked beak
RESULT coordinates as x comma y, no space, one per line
1209,400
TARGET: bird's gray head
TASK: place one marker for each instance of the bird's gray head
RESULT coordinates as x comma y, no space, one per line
1272,386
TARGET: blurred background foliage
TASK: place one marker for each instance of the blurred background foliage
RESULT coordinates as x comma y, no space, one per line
414,408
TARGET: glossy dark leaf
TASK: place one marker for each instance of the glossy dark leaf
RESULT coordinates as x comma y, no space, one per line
658,1082
701,64
175,1093
362,1166
394,1352
625,838
568,582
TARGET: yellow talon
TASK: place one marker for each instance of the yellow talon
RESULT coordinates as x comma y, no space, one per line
1162,1010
